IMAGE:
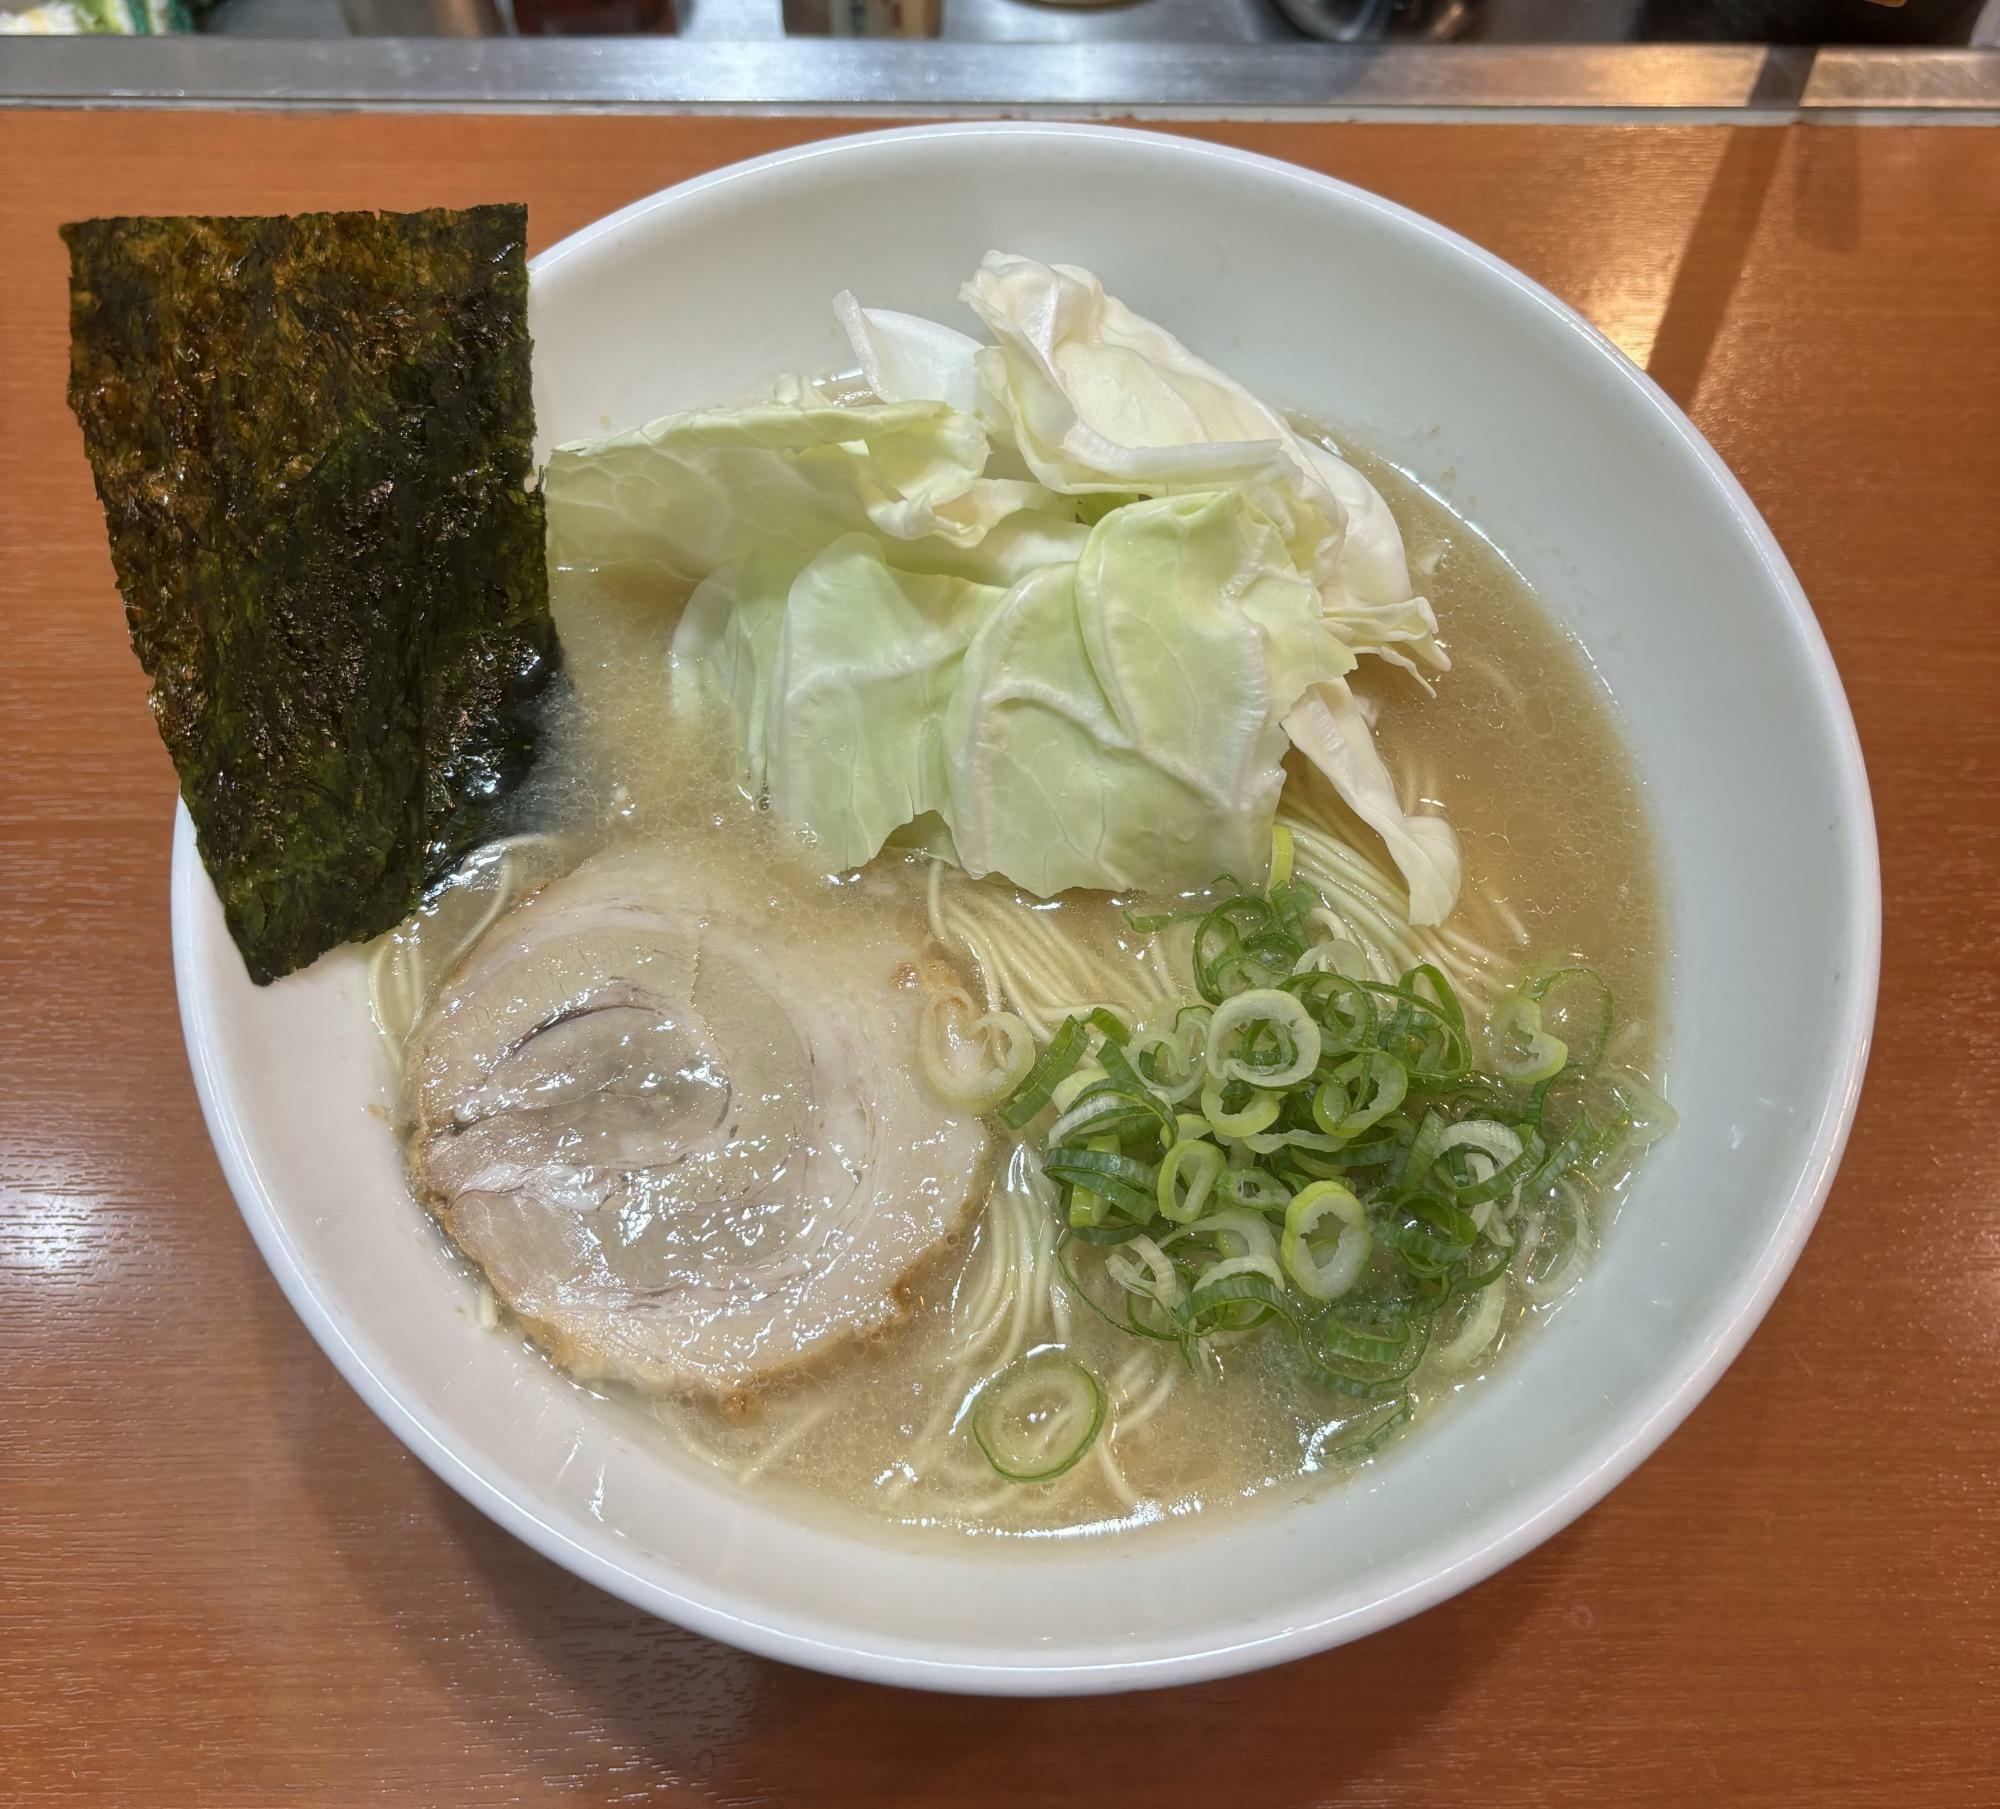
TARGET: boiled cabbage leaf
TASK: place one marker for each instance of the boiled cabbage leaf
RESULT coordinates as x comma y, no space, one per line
1097,398
726,647
906,358
1328,728
1062,601
691,493
1119,723
865,665
1112,721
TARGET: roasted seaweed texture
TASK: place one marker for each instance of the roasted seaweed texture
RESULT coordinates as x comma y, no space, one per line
312,439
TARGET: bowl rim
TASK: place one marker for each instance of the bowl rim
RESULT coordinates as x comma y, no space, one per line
1549,1505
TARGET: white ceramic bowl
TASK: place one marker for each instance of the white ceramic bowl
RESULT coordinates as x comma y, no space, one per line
1336,302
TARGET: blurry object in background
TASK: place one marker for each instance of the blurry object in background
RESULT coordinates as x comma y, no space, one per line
1808,21
1635,21
423,18
1215,22
561,18
1369,21
867,18
120,18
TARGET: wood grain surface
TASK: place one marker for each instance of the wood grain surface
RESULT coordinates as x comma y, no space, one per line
223,1582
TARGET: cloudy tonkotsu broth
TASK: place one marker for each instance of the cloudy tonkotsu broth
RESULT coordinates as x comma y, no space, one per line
1519,744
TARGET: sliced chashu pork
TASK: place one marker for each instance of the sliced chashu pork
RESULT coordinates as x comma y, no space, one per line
687,1150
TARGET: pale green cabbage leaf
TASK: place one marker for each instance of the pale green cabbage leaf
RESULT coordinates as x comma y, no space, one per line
863,670
1061,602
691,493
1328,728
1096,399
1119,723
1112,721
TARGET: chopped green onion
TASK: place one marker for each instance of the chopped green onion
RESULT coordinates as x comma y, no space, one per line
1292,905
1475,1334
1191,1019
1084,1210
1339,1107
1131,1186
1188,1174
1343,1007
1074,1084
1651,1118
1109,1025
1253,1190
1584,1140
1581,1005
1089,1211
1120,1105
1255,1262
1118,1070
1414,1161
1510,1159
1354,1174
1149,1045
1146,1317
1279,1041
1038,1416
1234,1294
1062,1054
1329,1279
1487,1136
1067,1270
1523,1051
1112,1232
1430,1233
1340,955
1338,1341
1219,943
1258,1113
1372,1430
1153,1275
1271,1143
1091,1112
957,1058
1426,983
1237,1233
1427,1036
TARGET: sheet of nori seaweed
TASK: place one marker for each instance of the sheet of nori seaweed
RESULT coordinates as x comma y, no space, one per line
312,439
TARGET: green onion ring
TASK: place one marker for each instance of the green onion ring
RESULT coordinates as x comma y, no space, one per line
1038,1416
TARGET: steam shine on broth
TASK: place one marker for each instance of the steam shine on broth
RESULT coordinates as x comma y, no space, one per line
1518,745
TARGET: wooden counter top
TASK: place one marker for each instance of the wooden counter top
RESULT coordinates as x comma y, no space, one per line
223,1582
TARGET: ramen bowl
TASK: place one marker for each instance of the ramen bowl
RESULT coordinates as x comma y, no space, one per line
1635,536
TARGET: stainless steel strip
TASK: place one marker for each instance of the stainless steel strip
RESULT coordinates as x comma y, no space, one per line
887,74
1895,79
910,77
